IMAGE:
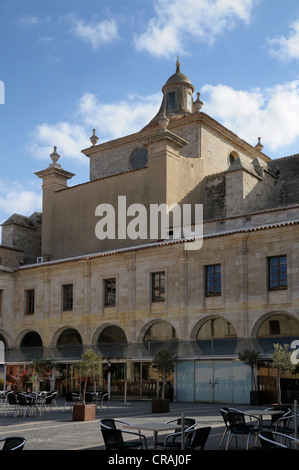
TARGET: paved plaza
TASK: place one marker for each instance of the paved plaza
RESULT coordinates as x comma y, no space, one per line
56,431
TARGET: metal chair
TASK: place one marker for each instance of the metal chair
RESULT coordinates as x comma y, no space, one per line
268,440
25,403
271,424
196,438
69,399
104,399
172,440
237,425
224,411
12,402
13,443
115,441
286,425
47,402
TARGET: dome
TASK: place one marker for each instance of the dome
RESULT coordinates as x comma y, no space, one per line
178,78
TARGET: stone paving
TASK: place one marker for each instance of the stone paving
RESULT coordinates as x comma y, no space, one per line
55,430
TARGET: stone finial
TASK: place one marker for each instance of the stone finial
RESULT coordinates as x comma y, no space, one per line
198,104
94,139
178,65
259,146
55,156
163,121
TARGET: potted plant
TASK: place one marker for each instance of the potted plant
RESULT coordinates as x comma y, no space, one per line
164,361
250,358
87,367
281,358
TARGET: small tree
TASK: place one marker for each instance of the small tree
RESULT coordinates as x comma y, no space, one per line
165,361
88,367
250,358
281,358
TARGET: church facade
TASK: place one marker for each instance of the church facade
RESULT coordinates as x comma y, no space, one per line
98,269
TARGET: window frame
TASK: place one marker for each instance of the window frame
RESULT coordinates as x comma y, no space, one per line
67,299
29,301
215,291
280,283
110,295
158,287
170,100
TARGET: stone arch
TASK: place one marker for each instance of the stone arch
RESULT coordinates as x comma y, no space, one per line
277,326
232,156
215,335
161,330
110,341
158,334
31,339
110,333
207,321
6,339
69,342
30,344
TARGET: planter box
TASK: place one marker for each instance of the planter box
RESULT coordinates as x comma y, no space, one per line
83,412
160,406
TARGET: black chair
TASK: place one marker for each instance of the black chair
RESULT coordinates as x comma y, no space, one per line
286,425
113,437
25,403
268,440
197,438
12,402
13,443
89,397
224,411
237,426
173,440
271,423
69,399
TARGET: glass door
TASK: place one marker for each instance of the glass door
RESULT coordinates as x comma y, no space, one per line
223,381
204,381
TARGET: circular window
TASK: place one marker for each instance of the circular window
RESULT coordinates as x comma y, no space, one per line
139,158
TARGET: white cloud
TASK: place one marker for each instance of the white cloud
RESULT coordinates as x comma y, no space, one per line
286,48
111,120
94,33
31,20
202,20
69,138
271,114
114,120
15,198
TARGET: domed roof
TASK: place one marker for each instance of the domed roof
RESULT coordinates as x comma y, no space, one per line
178,77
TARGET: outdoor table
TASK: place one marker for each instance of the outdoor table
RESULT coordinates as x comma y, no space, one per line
260,413
155,427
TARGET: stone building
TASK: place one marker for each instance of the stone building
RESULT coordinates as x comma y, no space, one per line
92,272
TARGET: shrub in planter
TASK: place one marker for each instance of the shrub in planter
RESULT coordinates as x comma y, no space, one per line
88,366
164,361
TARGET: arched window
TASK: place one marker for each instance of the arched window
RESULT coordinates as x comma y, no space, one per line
217,336
69,343
31,345
160,331
232,157
278,328
139,158
112,334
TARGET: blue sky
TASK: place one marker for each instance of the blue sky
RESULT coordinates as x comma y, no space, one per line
68,66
